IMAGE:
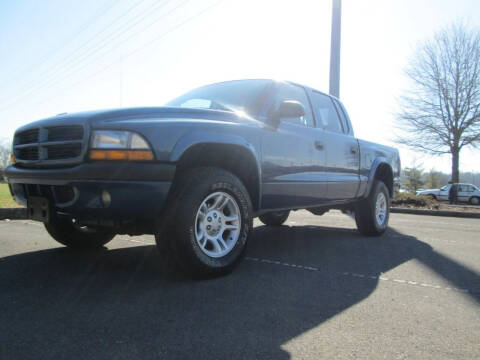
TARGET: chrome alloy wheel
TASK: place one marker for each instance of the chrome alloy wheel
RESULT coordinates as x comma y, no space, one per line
381,209
217,224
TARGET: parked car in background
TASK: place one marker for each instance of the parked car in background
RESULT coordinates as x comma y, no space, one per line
466,193
403,189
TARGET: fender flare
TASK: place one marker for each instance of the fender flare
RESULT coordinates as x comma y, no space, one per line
195,138
371,177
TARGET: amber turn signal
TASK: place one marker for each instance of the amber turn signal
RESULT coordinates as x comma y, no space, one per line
121,155
12,159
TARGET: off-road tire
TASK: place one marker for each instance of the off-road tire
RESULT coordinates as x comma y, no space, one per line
365,211
176,236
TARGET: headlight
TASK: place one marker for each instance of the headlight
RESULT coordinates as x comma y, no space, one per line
110,139
119,145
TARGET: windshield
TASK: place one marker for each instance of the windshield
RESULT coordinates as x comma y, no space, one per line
239,96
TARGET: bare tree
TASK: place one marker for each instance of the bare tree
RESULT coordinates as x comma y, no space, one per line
5,150
441,113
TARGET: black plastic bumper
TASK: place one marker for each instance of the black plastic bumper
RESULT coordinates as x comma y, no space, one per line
135,190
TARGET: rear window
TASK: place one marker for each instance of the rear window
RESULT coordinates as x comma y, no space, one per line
326,112
343,115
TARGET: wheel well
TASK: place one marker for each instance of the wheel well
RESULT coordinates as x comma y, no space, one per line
234,158
384,173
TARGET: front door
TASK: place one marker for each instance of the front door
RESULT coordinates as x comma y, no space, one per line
444,192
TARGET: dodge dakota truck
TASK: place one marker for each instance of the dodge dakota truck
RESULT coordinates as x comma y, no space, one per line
197,171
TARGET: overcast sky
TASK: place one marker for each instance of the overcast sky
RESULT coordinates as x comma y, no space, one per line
66,56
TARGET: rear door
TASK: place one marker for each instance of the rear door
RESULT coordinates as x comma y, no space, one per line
293,160
465,192
342,149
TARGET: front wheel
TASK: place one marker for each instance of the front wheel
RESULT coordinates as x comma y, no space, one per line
69,233
210,222
372,213
276,218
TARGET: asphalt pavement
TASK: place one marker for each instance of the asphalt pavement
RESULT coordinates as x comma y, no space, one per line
313,289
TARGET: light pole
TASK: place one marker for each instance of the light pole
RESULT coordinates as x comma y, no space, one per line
335,48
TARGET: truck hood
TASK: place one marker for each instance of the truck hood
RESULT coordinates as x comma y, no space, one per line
164,113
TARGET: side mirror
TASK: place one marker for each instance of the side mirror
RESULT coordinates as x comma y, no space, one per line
288,109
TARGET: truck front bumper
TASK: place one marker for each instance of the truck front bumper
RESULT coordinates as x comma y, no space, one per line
98,191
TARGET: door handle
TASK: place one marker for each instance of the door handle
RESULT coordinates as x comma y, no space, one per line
353,150
318,145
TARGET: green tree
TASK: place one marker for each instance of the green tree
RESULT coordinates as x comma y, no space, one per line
413,178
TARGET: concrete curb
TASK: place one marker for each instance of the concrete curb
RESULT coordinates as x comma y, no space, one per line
13,213
435,213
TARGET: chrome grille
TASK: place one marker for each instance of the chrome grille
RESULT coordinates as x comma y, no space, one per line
49,145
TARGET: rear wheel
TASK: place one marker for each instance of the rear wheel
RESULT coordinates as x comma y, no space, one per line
372,213
210,219
474,200
275,218
69,233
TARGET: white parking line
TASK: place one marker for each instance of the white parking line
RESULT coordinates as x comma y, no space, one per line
361,276
356,275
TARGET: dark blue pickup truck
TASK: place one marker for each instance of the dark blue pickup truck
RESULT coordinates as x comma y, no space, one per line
197,171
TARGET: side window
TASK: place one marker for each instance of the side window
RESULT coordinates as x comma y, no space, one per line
327,114
465,188
293,92
343,116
